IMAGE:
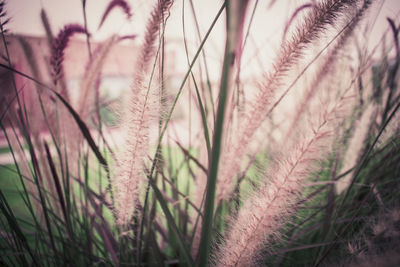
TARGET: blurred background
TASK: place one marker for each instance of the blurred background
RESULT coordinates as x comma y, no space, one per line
266,23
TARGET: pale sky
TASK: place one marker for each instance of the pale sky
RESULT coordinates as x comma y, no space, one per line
25,13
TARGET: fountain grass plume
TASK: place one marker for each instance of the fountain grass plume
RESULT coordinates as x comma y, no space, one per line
89,85
152,29
131,163
328,66
246,196
141,111
267,209
323,15
59,45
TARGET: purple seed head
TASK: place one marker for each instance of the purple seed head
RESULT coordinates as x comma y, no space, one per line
116,3
60,43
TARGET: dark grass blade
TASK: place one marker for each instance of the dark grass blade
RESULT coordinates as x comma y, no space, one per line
203,116
357,210
84,129
13,223
294,15
82,126
207,226
175,189
364,159
395,32
164,128
171,223
159,257
85,23
38,180
108,242
113,4
58,185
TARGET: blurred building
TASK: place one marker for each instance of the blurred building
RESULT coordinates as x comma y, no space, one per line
31,55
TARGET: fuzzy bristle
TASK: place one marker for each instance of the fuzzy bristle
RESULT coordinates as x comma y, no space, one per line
267,209
91,79
323,15
131,169
141,112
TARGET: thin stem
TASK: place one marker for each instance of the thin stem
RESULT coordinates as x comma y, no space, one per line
204,250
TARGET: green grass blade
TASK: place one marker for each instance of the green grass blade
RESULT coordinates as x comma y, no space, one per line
82,125
171,222
202,109
13,223
205,241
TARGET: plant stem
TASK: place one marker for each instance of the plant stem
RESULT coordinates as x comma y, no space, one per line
226,77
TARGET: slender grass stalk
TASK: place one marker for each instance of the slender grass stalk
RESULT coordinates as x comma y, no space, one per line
235,20
356,145
12,222
201,178
82,125
85,23
161,135
205,62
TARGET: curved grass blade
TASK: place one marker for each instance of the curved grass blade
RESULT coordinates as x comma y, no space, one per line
58,186
82,126
171,223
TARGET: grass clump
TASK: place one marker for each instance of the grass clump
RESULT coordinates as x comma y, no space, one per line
244,177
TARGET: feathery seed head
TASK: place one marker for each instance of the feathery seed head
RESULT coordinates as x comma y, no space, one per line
116,3
141,112
60,43
264,213
324,14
